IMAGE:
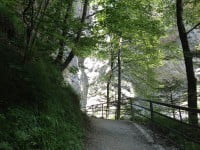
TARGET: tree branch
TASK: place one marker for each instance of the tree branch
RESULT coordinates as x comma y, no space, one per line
78,37
94,13
198,24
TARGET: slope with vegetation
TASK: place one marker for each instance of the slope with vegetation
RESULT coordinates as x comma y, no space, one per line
40,38
37,109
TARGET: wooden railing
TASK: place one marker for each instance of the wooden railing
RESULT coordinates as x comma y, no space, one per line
150,110
104,110
131,102
178,109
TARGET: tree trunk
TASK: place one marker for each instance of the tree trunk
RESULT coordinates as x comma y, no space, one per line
59,57
68,60
108,84
33,25
191,80
77,39
28,15
64,32
108,99
119,82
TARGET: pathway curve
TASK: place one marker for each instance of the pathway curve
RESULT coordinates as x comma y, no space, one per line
116,135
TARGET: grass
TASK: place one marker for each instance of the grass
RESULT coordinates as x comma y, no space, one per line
37,110
173,131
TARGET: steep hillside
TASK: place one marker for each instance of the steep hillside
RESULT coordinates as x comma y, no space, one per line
37,109
36,112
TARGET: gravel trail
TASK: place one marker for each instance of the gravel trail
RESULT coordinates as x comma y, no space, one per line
115,135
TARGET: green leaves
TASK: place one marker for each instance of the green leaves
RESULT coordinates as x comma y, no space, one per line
140,24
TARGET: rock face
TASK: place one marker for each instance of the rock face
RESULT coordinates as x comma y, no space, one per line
97,71
73,78
84,84
75,73
171,69
78,80
90,82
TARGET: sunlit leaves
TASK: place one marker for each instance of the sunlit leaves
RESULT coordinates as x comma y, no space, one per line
140,24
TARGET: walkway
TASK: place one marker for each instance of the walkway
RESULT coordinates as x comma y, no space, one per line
117,135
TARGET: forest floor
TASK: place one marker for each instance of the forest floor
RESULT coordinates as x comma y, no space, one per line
119,135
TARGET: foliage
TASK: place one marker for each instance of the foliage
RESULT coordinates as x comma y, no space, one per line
139,24
174,132
37,110
40,114
177,132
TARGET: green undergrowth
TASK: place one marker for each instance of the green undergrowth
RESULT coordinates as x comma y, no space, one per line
185,136
181,135
37,110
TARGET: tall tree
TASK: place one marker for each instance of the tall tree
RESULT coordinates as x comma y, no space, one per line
64,31
119,80
110,75
33,14
141,31
78,36
191,80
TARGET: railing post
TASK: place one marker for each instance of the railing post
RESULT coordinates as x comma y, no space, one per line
102,110
95,110
116,114
131,105
151,109
180,114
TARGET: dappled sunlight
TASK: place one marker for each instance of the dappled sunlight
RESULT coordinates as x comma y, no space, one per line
129,63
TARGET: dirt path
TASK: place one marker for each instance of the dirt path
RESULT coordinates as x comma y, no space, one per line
116,135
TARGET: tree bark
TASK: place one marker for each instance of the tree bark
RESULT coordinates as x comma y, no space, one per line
32,24
68,60
28,15
77,39
108,99
191,80
119,82
108,84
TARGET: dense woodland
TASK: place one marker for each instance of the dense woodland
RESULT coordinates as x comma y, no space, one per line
39,39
